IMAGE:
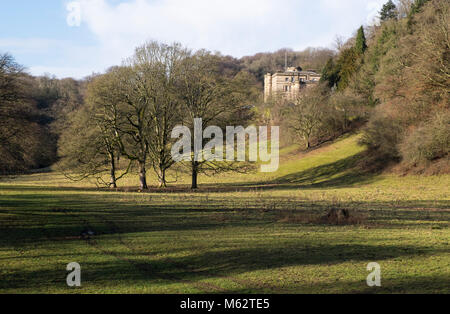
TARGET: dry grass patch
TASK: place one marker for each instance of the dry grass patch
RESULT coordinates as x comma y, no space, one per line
335,216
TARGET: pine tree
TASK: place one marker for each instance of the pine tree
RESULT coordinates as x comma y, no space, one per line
330,73
417,5
347,64
415,8
389,11
361,45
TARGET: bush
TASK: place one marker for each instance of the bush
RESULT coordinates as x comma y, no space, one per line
429,142
382,136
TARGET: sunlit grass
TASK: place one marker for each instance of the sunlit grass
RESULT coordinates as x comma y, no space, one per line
228,236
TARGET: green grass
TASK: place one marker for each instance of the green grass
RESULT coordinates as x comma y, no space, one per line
232,236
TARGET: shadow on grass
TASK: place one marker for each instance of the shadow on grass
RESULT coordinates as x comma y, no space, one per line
342,173
54,223
339,174
130,268
34,217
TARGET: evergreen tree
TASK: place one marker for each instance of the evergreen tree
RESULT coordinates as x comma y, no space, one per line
417,5
330,73
361,45
415,8
346,64
389,11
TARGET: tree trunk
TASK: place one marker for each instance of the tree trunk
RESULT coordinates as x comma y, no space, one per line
345,122
113,181
162,178
143,176
194,175
308,144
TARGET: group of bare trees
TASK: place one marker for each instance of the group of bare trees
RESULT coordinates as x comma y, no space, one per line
131,110
25,140
318,114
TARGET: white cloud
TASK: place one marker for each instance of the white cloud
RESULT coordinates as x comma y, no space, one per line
232,26
235,27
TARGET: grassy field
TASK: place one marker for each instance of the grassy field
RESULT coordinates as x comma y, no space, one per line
253,233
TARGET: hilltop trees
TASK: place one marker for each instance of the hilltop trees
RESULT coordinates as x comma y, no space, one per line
262,63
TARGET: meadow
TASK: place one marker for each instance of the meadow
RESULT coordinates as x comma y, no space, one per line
239,233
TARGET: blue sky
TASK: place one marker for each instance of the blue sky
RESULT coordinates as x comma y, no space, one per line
38,34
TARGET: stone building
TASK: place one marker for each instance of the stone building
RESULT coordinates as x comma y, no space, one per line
288,84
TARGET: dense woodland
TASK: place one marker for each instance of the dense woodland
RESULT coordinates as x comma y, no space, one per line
391,80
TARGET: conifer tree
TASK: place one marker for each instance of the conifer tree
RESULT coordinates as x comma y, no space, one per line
330,73
389,11
361,45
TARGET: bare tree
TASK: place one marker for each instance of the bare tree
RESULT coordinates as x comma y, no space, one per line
166,106
151,107
137,90
91,145
305,116
213,97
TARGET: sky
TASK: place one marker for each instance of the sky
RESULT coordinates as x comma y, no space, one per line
69,38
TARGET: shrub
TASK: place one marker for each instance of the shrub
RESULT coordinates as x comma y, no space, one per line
382,135
429,142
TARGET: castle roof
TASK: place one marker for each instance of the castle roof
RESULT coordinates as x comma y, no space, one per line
290,73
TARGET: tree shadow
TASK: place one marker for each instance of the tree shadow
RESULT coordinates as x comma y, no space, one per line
55,219
65,216
340,174
131,268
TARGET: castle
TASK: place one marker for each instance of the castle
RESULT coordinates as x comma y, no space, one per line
289,83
